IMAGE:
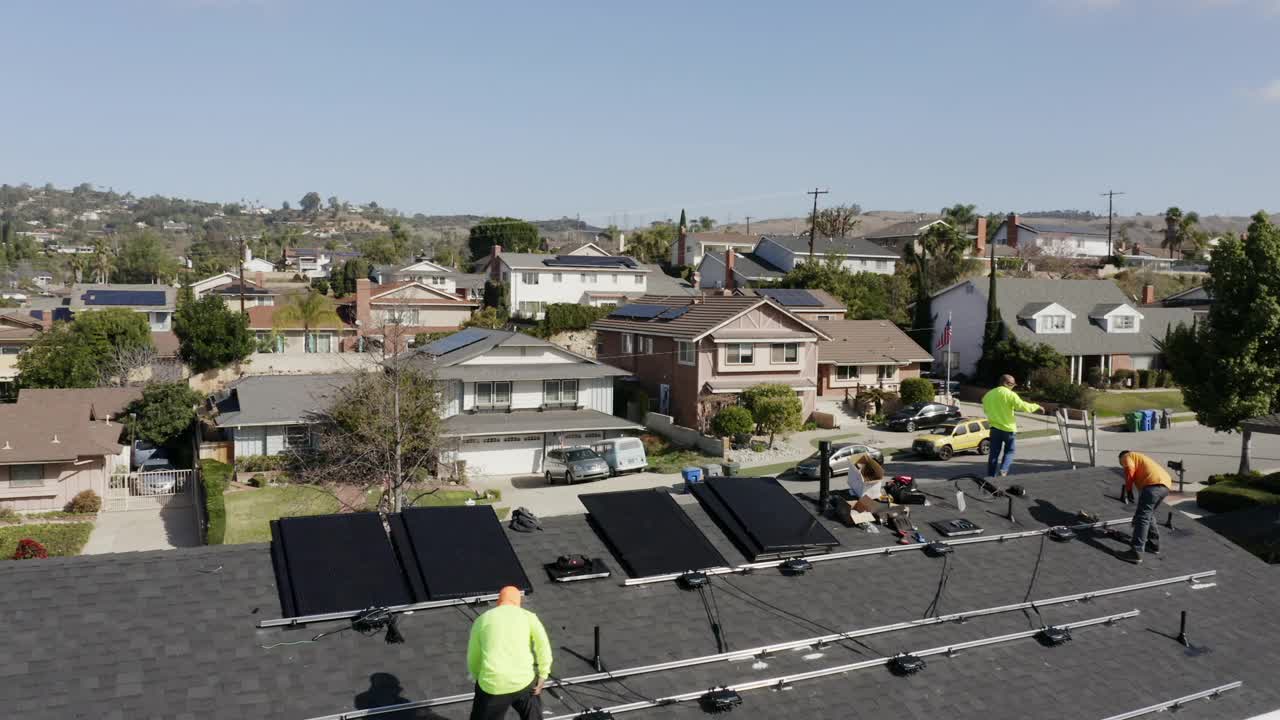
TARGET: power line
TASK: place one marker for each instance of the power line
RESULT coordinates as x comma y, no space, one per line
1110,195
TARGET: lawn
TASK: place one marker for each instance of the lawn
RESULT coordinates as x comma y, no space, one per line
1109,404
249,512
60,539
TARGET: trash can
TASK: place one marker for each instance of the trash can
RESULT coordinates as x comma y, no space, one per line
1133,421
711,470
691,475
731,469
1149,420
1166,419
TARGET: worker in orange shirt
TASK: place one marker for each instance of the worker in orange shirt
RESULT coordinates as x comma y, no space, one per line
1153,484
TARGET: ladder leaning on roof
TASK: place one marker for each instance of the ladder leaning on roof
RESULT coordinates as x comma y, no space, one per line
1071,419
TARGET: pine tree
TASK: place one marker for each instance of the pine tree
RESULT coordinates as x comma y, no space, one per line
992,330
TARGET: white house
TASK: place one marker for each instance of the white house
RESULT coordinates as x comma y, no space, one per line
536,281
689,249
1092,322
733,269
157,302
854,254
1051,239
468,286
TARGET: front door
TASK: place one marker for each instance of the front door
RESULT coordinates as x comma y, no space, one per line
664,399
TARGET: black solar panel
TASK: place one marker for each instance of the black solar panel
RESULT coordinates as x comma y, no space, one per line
792,298
648,532
124,297
639,312
592,261
335,563
673,313
764,520
455,341
457,551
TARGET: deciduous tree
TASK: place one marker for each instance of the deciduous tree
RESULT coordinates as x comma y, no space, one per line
86,352
940,244
211,335
839,221
512,234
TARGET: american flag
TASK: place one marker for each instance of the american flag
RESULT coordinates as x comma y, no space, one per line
945,340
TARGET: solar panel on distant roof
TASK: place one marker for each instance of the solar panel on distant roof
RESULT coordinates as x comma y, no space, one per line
479,559
674,313
589,261
639,312
124,297
792,298
455,341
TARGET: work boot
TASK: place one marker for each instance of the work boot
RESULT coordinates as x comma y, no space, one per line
1130,556
1153,549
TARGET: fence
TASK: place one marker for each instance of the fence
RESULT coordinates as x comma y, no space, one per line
665,426
157,488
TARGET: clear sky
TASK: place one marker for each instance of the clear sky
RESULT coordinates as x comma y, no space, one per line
616,111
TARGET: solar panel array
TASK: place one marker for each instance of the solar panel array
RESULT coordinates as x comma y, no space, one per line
455,341
590,261
124,297
673,313
479,559
792,298
640,312
649,533
763,519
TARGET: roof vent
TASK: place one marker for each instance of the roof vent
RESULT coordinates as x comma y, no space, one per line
7,446
56,441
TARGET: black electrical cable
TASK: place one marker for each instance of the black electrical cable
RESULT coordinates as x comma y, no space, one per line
805,620
724,637
935,605
1035,575
984,486
712,620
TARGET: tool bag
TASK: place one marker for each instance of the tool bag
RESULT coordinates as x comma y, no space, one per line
522,520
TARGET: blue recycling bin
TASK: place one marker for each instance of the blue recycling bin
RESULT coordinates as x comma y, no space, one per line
692,475
1148,419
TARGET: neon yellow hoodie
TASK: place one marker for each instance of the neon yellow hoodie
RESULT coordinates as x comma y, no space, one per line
508,647
1000,404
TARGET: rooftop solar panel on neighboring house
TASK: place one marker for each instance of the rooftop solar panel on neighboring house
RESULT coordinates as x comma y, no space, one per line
124,297
455,341
649,533
639,312
673,313
589,261
764,520
457,552
335,563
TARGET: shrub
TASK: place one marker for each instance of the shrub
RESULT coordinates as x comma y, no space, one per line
1093,377
914,390
810,425
758,447
58,539
258,481
9,515
1144,379
653,444
1044,377
732,420
1223,477
1231,495
321,285
29,549
1121,377
778,414
261,463
565,317
85,502
215,475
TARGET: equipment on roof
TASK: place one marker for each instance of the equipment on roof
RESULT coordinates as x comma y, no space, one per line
938,549
957,527
906,664
591,261
480,559
1053,636
374,620
1062,533
649,533
673,313
523,520
456,341
571,568
903,490
795,566
719,700
762,517
638,311
1175,703
693,580
594,714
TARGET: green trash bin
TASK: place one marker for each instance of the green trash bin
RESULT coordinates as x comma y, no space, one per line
731,469
1133,421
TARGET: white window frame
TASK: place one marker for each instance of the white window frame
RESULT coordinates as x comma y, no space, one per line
1124,322
290,433
26,482
493,390
529,278
628,341
685,354
886,372
778,353
560,392
639,278
850,373
733,354
1053,323
557,277
646,345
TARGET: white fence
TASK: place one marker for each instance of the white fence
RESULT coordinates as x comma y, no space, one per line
157,488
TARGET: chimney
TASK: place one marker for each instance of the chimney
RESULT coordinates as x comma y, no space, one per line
259,279
729,280
680,246
622,243
363,315
495,273
1012,231
1148,294
980,239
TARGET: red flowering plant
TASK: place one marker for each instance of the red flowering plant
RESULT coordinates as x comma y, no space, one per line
29,549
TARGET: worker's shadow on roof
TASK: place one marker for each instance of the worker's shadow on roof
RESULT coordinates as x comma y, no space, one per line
1046,512
385,690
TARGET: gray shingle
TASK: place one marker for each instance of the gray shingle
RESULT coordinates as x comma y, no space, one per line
857,247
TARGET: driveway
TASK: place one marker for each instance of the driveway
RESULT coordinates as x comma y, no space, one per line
137,530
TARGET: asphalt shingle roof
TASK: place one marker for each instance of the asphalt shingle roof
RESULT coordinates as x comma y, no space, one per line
866,342
747,266
704,314
909,228
277,399
858,247
171,634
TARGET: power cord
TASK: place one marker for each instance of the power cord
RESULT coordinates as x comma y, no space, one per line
935,606
809,621
1035,575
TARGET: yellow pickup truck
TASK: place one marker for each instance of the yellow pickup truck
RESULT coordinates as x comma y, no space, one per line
967,433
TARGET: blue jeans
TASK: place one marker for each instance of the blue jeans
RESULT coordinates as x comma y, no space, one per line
1144,522
1001,441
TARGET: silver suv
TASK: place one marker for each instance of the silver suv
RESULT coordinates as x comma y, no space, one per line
574,464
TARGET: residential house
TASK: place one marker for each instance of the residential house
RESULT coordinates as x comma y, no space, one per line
42,280
402,310
854,254
898,236
733,269
1092,322
468,286
865,354
156,302
57,443
18,329
314,262
269,414
252,264
694,355
535,281
1051,238
510,397
805,304
689,248
228,287
276,336
589,249
1139,257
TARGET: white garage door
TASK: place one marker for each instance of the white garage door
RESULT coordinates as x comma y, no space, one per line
502,454
581,438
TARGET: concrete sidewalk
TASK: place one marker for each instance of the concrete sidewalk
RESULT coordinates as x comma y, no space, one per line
137,530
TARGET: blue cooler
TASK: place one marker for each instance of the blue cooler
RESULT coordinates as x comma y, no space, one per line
692,475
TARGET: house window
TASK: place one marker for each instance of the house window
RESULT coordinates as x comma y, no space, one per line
557,277
493,394
784,353
532,309
887,372
627,340
1122,322
639,278
1053,322
741,353
296,436
560,392
10,349
823,317
26,475
646,345
847,373
321,343
591,278
599,349
614,277
684,352
529,278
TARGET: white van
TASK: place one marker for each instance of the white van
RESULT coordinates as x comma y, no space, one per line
624,454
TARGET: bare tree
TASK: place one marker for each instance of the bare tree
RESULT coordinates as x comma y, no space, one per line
838,221
124,365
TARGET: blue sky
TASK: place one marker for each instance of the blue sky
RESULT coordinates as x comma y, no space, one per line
631,111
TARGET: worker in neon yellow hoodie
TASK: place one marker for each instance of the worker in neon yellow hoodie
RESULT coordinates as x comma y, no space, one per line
509,656
1000,404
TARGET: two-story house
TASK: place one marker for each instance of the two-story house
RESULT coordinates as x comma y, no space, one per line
403,310
733,269
690,248
157,302
695,355
535,281
315,262
509,397
469,286
854,254
1051,238
231,289
1092,322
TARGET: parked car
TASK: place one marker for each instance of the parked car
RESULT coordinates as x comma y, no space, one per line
841,455
573,464
157,485
946,440
624,454
922,415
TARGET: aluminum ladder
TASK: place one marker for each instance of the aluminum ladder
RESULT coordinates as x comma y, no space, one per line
1070,419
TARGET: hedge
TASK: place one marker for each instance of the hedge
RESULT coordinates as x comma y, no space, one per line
1231,495
59,539
215,476
916,389
566,317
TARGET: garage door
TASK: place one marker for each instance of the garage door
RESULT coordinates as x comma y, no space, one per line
502,454
582,438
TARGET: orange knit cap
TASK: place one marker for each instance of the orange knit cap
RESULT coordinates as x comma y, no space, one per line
509,595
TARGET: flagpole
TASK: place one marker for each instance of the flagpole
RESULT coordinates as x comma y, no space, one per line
950,400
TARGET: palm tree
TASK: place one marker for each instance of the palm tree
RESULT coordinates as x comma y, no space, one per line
76,265
309,311
961,217
103,261
1180,229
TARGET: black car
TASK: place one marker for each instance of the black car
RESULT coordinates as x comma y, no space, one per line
922,415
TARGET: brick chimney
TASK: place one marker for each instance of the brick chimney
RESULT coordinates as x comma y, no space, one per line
363,316
728,269
495,273
1148,294
259,279
622,243
980,238
680,246
1012,230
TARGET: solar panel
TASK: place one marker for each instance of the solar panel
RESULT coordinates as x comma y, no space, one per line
648,532
335,563
673,313
455,341
761,517
457,552
589,261
642,312
124,297
792,298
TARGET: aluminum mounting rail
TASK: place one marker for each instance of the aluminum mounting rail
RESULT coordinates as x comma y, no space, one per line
887,550
348,614
785,680
762,650
1176,703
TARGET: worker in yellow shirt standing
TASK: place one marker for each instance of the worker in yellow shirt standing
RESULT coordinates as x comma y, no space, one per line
509,656
1000,404
1153,485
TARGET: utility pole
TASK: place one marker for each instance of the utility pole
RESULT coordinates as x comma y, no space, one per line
242,274
813,219
748,224
1110,195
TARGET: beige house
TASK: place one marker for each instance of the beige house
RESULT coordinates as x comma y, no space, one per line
56,443
404,309
866,354
17,331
